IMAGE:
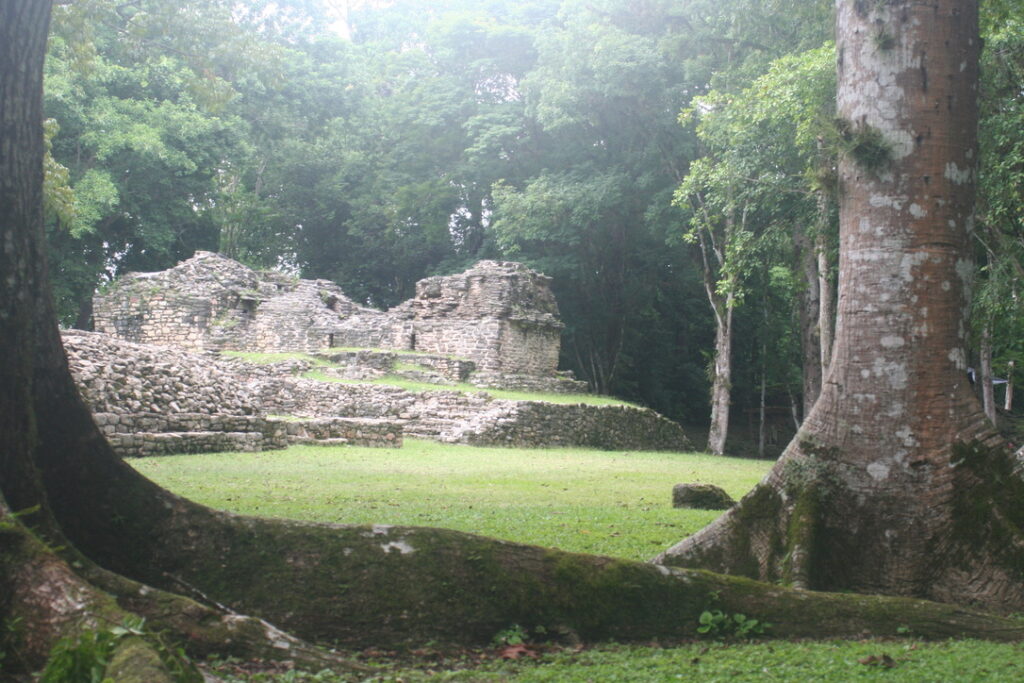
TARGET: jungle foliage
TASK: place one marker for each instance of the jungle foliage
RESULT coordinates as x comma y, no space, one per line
430,134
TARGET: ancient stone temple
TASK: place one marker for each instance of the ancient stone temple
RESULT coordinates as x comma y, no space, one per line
500,316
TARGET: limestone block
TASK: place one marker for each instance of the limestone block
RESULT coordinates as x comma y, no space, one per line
701,497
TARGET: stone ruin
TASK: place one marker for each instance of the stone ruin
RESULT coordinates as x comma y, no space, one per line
501,317
153,400
157,381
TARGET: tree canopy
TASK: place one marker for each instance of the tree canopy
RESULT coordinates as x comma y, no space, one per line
429,135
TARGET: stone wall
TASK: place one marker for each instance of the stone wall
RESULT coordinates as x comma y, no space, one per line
500,316
535,424
147,434
151,400
369,364
121,377
212,302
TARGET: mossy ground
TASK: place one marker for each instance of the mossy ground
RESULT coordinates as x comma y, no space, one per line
295,476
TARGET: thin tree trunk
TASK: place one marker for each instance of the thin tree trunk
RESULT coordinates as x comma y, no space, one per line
794,411
721,386
988,396
809,303
761,412
826,293
1008,398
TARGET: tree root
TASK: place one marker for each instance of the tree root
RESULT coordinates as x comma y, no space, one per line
50,598
777,532
398,587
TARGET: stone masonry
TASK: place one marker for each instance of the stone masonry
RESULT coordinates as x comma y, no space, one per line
501,317
153,400
157,381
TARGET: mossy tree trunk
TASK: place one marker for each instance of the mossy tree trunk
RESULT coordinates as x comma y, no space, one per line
896,483
90,529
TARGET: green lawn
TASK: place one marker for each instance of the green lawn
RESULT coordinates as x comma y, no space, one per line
612,503
946,662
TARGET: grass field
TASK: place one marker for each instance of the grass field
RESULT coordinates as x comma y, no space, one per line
612,503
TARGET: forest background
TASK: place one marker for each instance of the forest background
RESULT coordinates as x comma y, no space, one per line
671,163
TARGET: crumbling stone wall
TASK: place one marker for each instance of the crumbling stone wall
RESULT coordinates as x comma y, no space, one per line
123,378
210,302
500,316
533,424
151,400
154,400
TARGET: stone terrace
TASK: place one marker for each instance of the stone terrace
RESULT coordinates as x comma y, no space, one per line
154,400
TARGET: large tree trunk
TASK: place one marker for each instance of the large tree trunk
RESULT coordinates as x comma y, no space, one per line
896,483
357,586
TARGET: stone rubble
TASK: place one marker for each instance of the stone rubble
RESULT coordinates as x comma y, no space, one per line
496,324
157,380
153,400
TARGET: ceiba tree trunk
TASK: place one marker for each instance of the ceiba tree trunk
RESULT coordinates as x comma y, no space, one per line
896,483
85,541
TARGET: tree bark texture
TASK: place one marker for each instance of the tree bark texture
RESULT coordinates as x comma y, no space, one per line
889,485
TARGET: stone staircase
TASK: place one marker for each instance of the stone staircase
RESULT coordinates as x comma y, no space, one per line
439,413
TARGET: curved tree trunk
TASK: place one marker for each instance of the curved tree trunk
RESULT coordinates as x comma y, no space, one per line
896,483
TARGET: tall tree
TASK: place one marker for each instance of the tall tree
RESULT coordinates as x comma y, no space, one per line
592,211
895,483
999,309
764,170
